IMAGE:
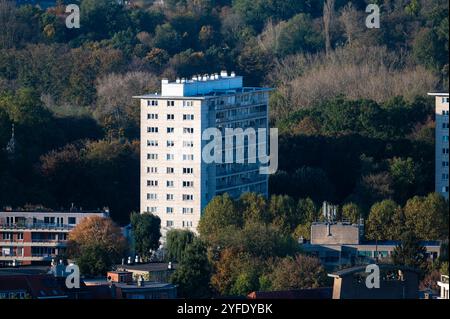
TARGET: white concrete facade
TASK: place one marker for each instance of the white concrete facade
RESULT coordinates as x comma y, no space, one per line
442,143
176,184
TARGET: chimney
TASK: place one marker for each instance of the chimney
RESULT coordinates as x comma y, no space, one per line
223,73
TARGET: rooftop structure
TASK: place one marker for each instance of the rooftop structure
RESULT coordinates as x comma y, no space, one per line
176,183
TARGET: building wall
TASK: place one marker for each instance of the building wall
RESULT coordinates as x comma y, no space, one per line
442,145
337,233
36,237
209,179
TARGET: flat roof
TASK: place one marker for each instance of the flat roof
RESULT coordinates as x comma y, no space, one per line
438,94
357,269
215,93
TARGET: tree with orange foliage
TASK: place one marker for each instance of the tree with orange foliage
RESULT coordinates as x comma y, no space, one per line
96,244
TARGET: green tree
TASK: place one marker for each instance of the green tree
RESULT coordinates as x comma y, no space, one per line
176,243
298,35
384,221
351,212
193,272
146,233
218,214
284,213
428,217
299,272
410,253
253,207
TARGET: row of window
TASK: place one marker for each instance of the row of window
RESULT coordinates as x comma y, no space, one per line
9,236
445,150
170,170
445,125
154,183
169,143
169,103
170,117
155,129
170,197
185,223
170,210
445,177
170,157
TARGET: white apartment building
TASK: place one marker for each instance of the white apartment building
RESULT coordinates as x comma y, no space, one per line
442,160
176,183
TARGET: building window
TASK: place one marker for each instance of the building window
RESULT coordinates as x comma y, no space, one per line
152,143
170,103
72,220
171,117
169,183
152,183
152,129
152,103
445,100
152,196
444,177
170,170
188,130
188,210
169,210
445,164
188,170
188,143
152,210
445,125
188,184
188,117
187,103
169,196
170,143
152,116
169,223
187,223
188,157
170,157
445,189
7,236
188,197
445,150
153,170
170,130
445,138
152,156
19,236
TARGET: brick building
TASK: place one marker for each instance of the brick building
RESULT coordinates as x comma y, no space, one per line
37,237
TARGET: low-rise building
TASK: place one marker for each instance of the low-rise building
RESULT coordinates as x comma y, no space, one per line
395,282
121,285
159,272
37,237
340,243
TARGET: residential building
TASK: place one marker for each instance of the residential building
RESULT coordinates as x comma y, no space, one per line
176,183
37,237
159,272
442,145
395,282
341,243
121,285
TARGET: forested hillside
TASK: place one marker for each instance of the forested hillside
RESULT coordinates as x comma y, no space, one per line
350,101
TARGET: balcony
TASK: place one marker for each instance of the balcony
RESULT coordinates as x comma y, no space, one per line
35,226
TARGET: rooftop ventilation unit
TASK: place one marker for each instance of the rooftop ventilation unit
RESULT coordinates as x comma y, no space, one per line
223,73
